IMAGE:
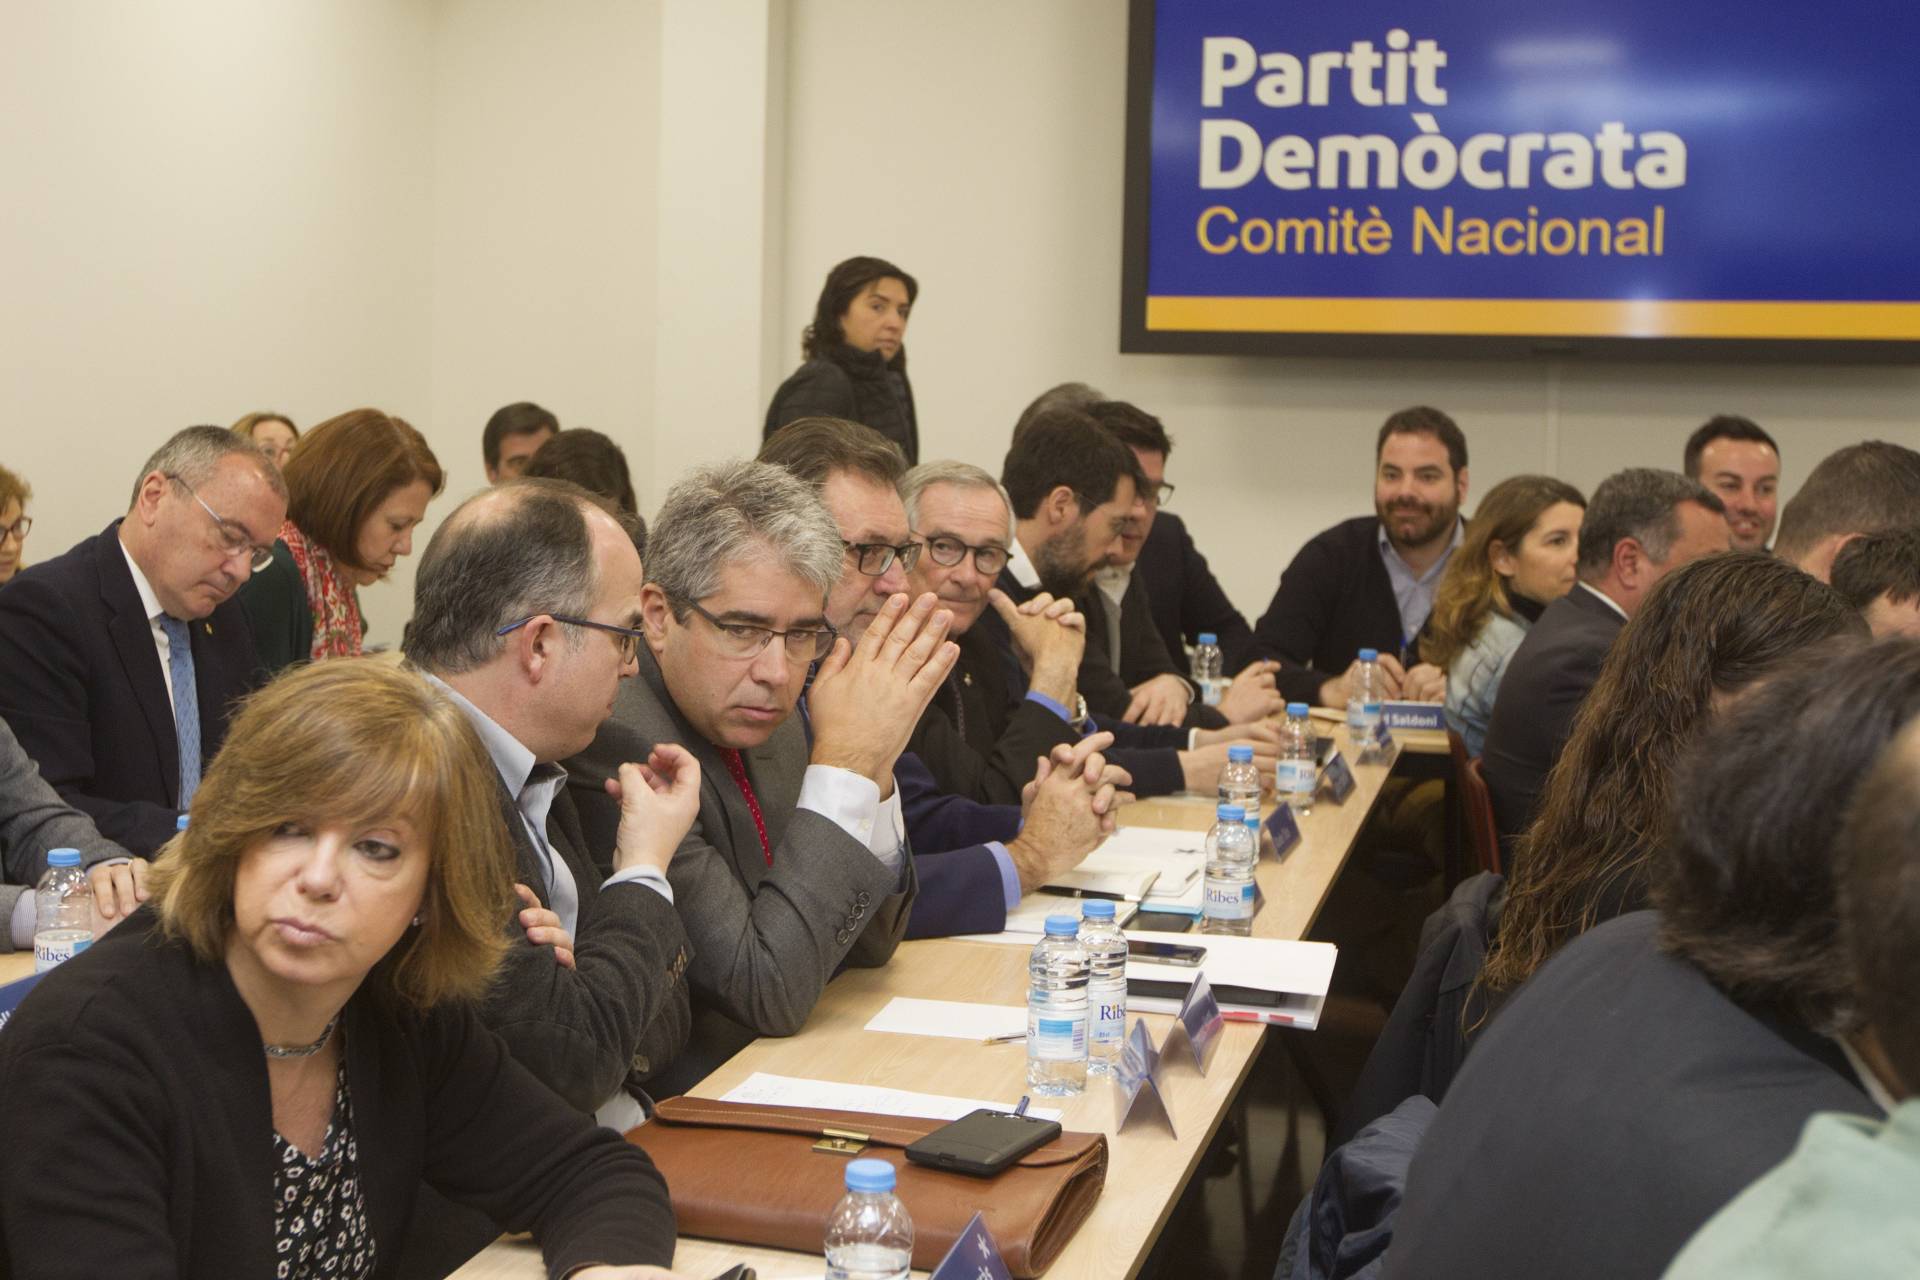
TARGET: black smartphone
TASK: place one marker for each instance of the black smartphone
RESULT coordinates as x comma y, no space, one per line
1166,952
982,1143
738,1271
1161,921
1154,988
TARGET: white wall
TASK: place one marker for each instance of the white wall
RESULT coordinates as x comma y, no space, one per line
211,208
981,146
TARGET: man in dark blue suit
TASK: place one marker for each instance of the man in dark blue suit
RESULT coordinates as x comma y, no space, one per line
974,861
120,660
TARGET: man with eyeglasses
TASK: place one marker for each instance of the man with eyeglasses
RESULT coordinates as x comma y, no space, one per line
120,660
798,861
1123,636
974,861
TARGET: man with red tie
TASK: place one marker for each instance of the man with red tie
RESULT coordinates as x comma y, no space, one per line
798,862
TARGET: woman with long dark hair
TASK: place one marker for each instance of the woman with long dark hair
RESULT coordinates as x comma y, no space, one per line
856,365
1706,634
1516,558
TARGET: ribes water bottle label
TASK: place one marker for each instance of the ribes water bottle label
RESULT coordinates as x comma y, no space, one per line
1057,1039
1229,900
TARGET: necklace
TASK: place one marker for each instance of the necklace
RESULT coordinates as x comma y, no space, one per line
304,1050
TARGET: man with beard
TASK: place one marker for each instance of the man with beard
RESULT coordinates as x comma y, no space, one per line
1368,583
1010,581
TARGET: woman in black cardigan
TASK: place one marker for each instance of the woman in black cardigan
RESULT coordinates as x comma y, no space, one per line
856,364
254,1074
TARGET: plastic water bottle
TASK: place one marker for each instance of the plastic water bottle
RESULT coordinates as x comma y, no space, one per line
1228,905
1208,668
1057,1011
1240,780
1365,688
869,1235
63,911
1106,949
1299,771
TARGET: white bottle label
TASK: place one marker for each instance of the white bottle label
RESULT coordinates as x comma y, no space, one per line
56,946
1295,776
1229,900
1057,1039
1211,691
1109,1015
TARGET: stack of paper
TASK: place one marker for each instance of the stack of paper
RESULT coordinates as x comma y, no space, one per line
1029,920
1158,867
1279,982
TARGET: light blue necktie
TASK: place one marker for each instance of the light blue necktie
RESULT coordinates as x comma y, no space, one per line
186,705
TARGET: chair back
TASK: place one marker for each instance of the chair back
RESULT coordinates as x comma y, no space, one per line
1476,803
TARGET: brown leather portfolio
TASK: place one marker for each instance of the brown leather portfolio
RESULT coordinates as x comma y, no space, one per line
771,1176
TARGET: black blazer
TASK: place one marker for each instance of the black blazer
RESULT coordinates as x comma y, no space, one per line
1616,1103
81,685
1184,596
1143,655
978,737
861,386
621,1013
1546,681
1334,600
960,886
134,1099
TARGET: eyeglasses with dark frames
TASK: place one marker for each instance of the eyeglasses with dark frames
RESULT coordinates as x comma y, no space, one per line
628,638
748,640
875,558
989,560
1162,494
234,538
18,529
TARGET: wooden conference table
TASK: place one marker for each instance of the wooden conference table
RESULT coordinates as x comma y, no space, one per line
1148,1168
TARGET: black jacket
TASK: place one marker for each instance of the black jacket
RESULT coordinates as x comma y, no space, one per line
978,737
1617,1102
1184,597
1547,679
134,1099
622,1012
1143,655
1334,600
82,687
861,386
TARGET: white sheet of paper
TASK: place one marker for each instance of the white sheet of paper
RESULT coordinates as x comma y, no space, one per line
792,1091
959,1019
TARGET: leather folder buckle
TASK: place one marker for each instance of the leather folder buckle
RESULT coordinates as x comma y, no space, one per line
841,1142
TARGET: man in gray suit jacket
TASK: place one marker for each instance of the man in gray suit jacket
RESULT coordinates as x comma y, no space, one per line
34,819
798,862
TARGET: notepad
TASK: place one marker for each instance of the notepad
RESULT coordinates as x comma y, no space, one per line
1298,972
766,1089
1135,863
962,1020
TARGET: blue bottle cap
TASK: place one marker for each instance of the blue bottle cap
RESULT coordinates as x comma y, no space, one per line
1096,909
63,857
1207,637
1298,709
1240,754
180,823
1369,655
1060,923
1231,813
869,1175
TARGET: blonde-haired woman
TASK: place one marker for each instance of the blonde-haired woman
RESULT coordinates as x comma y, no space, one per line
273,433
252,1076
1516,558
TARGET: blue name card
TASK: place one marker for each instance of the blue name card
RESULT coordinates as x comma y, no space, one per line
1337,779
1137,1087
13,993
1283,828
1413,715
974,1256
1381,746
1198,1022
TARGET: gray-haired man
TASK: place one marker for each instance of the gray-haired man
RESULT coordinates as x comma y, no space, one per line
798,862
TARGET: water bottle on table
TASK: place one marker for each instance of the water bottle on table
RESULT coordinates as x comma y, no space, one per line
63,911
869,1235
1240,780
1299,771
1228,904
1366,689
1057,1011
1208,665
1106,949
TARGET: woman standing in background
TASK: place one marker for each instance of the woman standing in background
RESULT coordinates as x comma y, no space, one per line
356,487
856,356
274,433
